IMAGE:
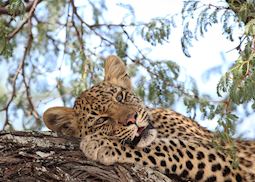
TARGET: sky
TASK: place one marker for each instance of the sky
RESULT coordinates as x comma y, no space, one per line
211,50
208,52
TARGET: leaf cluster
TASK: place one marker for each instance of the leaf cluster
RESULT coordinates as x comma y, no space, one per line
157,31
16,7
159,90
6,47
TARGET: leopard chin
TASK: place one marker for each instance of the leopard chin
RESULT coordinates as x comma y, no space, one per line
145,138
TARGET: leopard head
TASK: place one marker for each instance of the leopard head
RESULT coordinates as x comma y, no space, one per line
109,108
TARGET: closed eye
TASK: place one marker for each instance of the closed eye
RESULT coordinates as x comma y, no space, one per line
102,120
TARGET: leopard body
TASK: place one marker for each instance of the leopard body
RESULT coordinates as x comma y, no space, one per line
116,127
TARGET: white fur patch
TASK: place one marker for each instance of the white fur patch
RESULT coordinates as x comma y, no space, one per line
148,138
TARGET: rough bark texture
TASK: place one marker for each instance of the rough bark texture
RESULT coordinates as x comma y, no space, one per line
33,156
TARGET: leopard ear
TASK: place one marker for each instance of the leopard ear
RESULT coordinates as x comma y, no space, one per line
115,72
61,120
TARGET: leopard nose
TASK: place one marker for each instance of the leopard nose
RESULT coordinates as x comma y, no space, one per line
132,118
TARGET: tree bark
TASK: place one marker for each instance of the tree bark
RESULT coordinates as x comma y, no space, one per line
34,156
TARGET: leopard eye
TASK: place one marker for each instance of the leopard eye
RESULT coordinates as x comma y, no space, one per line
119,97
101,120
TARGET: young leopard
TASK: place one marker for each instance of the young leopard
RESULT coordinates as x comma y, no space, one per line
116,127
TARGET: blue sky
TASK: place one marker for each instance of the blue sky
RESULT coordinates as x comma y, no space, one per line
208,52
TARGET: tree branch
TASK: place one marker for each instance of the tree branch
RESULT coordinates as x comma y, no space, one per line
26,84
33,156
87,25
6,108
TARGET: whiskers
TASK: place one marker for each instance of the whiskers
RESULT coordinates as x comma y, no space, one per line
126,134
142,118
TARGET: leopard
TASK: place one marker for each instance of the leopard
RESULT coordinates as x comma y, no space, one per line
115,126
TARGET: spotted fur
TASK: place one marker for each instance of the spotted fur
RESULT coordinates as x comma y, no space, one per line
116,127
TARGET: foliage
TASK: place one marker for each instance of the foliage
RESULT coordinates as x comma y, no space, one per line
157,31
238,83
6,47
56,50
16,7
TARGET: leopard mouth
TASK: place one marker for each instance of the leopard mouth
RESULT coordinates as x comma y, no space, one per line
141,132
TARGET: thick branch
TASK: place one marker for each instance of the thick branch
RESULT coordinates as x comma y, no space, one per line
33,156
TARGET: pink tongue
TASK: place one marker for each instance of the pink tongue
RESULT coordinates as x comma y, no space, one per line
140,129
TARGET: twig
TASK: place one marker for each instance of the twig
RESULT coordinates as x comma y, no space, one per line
54,41
6,108
78,32
27,88
238,47
114,25
66,25
87,25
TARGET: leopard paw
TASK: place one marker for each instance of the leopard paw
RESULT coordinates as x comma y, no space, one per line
100,150
90,148
107,155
